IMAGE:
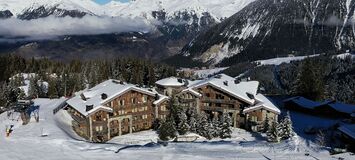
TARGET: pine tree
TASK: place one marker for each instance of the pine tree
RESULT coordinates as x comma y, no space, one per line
193,120
216,127
167,130
204,126
183,126
225,127
274,134
287,129
33,91
52,89
321,139
21,94
310,81
266,124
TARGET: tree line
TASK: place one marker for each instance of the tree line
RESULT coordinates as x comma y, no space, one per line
56,79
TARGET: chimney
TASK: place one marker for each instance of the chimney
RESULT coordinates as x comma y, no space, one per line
83,96
225,83
103,96
236,81
179,80
157,97
89,107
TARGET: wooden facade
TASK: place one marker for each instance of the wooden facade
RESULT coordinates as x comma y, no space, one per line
216,102
255,119
132,111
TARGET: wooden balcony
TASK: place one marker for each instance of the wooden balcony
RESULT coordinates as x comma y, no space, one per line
220,109
182,100
221,101
100,133
78,119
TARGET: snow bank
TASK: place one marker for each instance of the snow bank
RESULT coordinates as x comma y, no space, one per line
278,61
204,73
26,143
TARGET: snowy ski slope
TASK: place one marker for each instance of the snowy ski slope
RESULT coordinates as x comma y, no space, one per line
26,143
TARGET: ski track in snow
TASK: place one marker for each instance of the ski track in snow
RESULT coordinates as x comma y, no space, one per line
25,143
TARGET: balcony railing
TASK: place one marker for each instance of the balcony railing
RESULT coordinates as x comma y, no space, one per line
78,119
222,101
181,100
212,108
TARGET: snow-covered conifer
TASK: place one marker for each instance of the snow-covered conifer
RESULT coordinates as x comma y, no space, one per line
183,125
226,122
274,134
287,129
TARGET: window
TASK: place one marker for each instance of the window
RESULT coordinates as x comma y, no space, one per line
144,99
254,118
219,96
163,108
133,100
122,102
99,128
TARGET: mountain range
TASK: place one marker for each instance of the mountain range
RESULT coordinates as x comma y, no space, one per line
271,28
190,32
176,22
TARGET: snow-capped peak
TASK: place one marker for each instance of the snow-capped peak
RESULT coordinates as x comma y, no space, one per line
137,8
18,6
218,8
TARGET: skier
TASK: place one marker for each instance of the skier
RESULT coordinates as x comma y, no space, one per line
9,130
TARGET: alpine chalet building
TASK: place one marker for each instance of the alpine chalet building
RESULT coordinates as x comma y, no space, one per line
114,108
220,94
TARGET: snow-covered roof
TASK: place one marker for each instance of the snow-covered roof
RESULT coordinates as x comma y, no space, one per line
171,82
348,129
345,108
192,92
263,103
112,89
306,103
228,84
162,98
309,104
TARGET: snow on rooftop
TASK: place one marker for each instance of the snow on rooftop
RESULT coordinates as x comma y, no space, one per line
265,103
171,82
228,84
348,129
344,55
306,103
345,108
111,89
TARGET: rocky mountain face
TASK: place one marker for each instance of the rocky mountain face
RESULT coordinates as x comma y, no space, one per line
271,28
88,47
42,12
5,14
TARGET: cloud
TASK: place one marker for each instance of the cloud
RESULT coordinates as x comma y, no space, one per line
332,20
52,27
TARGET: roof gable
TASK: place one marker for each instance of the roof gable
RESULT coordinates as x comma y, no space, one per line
229,85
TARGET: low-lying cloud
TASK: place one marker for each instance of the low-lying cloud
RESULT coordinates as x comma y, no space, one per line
52,27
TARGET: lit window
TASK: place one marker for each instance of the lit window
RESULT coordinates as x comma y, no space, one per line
144,99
